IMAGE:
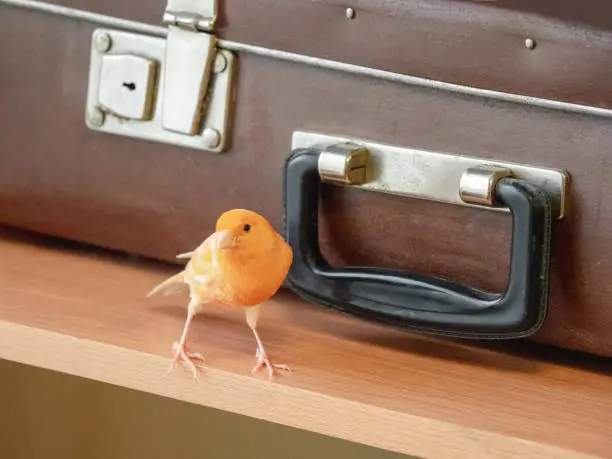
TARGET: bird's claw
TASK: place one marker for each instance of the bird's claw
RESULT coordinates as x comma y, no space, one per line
192,359
264,361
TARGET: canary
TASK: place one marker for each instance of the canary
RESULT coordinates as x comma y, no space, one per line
241,265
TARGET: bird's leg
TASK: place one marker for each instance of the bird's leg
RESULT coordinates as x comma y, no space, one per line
252,314
180,348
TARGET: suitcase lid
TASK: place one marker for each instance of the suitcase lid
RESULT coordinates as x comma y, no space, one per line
550,50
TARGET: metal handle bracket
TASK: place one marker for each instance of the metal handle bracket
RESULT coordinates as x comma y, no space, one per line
442,177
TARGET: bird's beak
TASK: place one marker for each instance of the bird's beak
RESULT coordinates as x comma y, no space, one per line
225,240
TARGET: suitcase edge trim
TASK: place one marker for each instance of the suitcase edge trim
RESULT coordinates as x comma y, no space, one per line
140,27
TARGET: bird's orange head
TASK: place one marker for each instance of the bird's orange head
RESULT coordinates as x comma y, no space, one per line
245,231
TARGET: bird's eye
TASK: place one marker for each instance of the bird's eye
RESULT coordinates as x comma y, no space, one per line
246,228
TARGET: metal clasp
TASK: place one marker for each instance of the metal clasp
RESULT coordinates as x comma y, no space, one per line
190,54
191,14
176,90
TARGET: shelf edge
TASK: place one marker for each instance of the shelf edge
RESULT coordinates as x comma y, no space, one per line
261,399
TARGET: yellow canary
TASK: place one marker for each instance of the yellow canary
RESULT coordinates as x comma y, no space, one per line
241,265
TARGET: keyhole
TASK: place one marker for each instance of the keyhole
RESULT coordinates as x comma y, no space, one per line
130,86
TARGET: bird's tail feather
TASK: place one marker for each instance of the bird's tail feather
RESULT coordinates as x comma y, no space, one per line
172,281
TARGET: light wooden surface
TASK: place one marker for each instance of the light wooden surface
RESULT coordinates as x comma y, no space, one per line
84,313
43,414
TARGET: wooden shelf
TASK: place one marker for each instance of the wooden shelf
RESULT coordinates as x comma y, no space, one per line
83,312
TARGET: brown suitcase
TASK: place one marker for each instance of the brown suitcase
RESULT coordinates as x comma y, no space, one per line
123,132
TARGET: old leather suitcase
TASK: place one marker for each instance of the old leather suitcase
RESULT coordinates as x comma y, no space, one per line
434,143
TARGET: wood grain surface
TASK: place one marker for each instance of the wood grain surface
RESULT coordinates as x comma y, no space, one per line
83,312
155,200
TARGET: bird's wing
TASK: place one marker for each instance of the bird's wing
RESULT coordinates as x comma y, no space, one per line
195,274
201,273
202,250
173,284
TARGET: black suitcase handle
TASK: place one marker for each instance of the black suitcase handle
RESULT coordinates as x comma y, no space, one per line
425,304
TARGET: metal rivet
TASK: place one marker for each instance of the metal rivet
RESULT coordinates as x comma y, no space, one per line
211,138
96,117
530,43
350,13
102,42
220,63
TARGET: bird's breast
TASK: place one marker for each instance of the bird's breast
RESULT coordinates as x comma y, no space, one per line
253,281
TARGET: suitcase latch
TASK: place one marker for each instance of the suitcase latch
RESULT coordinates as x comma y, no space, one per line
176,90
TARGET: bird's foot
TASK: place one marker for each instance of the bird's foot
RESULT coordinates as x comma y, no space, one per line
264,361
192,359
